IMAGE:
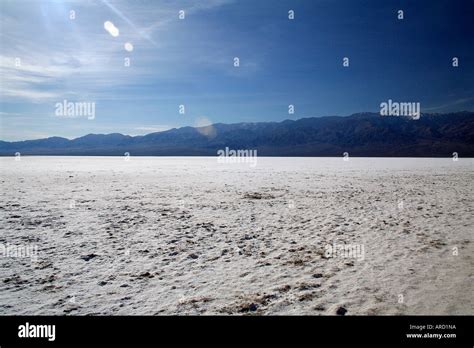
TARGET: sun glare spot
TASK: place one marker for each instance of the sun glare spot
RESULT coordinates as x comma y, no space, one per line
128,47
111,28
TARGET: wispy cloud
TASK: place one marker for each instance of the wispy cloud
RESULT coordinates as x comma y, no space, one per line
89,61
455,103
152,128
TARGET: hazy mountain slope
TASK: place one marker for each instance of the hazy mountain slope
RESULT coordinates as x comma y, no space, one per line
364,134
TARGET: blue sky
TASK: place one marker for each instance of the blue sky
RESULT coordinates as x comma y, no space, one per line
190,61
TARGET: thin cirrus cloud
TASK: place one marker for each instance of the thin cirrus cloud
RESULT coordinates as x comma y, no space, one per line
55,60
150,129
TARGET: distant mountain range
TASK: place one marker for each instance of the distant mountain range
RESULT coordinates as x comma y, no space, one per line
363,134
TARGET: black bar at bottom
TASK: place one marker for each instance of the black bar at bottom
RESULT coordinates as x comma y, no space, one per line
287,330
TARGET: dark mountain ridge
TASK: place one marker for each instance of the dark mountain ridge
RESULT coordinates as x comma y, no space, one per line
362,134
